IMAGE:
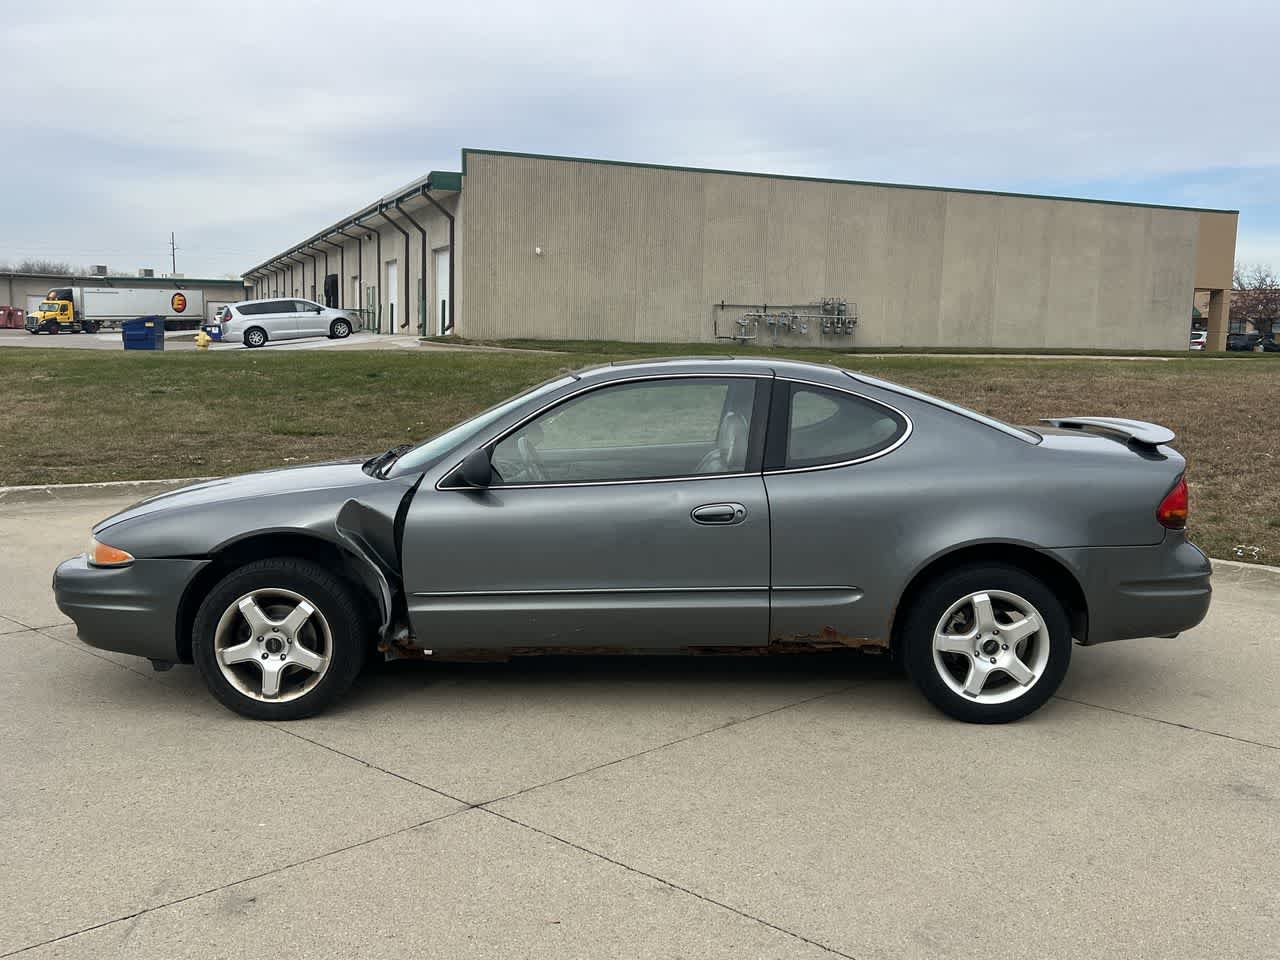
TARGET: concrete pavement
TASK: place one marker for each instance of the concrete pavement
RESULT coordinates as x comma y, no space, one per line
654,807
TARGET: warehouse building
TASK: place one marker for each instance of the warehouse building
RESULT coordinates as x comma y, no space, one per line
522,245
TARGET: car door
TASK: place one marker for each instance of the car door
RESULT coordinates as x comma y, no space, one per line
631,514
308,319
274,316
834,490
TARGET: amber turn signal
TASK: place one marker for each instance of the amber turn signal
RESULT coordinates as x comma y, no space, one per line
102,555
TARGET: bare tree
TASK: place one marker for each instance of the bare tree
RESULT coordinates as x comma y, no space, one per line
40,265
1255,297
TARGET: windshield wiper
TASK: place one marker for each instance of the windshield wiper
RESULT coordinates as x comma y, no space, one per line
377,466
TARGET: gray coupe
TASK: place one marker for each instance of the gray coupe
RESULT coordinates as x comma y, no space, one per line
691,504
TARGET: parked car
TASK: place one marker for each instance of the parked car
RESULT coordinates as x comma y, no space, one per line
691,504
1242,341
1269,345
1199,339
256,322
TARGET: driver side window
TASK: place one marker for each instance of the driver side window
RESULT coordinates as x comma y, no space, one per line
645,430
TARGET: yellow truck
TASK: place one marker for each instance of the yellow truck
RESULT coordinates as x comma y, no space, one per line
86,309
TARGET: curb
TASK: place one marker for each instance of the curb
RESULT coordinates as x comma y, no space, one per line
60,492
1237,571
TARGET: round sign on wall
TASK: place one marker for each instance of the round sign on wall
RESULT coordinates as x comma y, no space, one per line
178,302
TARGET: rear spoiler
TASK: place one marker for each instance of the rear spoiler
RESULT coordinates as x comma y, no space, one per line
1134,431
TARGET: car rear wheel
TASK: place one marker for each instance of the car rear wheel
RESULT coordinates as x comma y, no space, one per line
339,330
279,639
255,337
987,644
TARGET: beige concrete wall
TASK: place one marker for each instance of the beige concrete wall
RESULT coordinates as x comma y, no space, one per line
636,253
1216,251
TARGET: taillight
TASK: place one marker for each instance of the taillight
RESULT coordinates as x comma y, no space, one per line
1172,512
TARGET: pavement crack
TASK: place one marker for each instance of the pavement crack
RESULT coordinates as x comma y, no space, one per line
82,648
373,766
672,884
670,743
234,883
1170,723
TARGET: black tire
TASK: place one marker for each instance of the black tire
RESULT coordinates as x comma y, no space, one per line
334,599
933,602
340,329
255,337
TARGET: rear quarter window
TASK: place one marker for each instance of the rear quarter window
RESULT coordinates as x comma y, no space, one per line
827,427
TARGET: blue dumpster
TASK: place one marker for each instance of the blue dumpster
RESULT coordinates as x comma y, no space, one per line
143,333
214,330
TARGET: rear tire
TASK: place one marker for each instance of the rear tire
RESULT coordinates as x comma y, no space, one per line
280,639
956,646
255,337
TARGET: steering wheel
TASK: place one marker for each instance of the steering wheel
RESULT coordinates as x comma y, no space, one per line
534,469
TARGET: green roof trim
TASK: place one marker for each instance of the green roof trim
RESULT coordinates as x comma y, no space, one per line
444,180
855,183
82,279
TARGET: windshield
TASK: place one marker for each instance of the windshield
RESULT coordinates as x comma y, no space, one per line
423,455
48,307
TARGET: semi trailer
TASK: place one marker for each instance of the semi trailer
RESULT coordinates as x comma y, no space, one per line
87,309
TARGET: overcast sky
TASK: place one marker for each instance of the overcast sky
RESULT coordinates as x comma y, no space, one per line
243,127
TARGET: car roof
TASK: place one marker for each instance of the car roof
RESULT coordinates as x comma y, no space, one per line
728,365
241,303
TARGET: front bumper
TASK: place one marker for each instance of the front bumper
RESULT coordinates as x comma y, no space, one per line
131,609
1131,592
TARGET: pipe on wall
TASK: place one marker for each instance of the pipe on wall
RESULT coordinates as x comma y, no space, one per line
377,267
304,252
405,233
422,270
453,293
359,266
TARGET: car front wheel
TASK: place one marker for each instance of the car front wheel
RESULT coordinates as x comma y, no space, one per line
279,639
339,330
987,644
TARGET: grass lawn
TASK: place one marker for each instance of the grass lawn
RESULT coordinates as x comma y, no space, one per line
86,415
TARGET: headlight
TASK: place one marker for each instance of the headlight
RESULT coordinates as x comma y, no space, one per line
101,555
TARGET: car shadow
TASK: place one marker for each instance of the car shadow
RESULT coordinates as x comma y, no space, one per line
384,682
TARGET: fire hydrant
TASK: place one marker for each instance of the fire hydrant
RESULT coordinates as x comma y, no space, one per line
203,340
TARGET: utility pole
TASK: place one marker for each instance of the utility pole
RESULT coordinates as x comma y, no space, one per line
173,253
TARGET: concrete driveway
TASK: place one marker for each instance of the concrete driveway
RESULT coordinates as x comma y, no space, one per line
185,340
647,807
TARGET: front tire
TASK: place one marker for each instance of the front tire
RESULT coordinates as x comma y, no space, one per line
339,330
987,644
255,337
279,639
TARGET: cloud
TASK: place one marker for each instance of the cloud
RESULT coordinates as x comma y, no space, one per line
242,126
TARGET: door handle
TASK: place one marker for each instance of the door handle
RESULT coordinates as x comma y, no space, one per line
719,513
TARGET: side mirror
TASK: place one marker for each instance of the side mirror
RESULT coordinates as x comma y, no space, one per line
318,309
477,470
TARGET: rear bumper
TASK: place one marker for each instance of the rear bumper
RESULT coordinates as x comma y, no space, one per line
1133,592
131,609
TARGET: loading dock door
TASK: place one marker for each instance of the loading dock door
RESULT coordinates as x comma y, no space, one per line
442,292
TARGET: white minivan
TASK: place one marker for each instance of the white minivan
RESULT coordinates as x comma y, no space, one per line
257,321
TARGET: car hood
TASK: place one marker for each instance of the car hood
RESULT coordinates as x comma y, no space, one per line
265,483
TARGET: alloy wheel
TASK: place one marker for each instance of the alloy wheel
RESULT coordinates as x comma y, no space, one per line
991,646
273,645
